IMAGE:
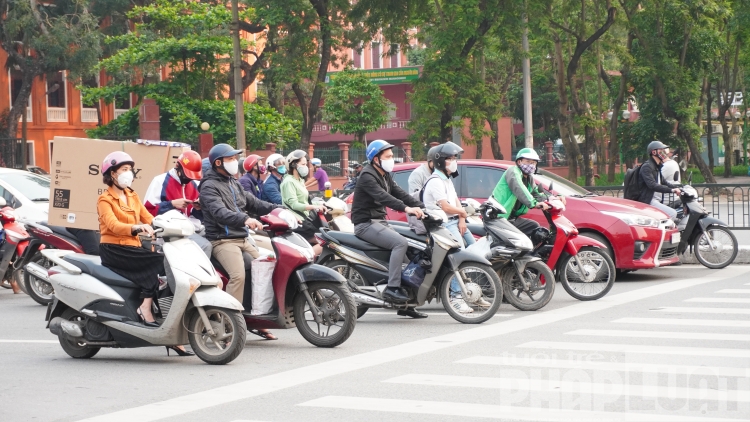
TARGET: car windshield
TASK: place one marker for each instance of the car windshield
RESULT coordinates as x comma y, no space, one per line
562,186
29,185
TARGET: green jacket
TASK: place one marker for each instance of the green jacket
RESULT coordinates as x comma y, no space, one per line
512,188
294,195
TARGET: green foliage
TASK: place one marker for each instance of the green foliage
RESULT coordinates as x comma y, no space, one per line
354,105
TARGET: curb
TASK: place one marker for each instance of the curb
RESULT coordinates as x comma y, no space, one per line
743,256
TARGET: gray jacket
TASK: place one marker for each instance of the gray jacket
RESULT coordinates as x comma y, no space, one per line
419,177
226,206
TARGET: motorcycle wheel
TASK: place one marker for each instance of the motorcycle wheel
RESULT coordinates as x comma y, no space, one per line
229,341
541,286
349,273
722,238
39,290
74,349
336,309
588,288
481,282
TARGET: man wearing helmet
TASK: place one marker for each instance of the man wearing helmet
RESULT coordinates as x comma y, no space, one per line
419,176
652,180
276,166
251,181
177,190
375,191
517,191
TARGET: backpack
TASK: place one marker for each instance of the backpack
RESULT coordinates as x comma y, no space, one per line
414,223
632,186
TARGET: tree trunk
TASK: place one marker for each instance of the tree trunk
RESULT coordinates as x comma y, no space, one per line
19,106
709,131
702,167
614,143
569,142
495,141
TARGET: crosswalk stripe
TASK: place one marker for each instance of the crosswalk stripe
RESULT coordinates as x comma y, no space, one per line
735,291
685,322
661,334
739,311
603,365
490,411
432,314
611,388
30,341
719,300
637,348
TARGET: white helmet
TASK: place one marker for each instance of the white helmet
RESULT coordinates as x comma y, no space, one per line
528,153
272,159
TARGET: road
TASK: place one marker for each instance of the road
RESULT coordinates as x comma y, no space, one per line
669,344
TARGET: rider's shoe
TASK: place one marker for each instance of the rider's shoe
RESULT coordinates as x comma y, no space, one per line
395,295
482,303
411,312
461,306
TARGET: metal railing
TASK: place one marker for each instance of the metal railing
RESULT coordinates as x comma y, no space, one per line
57,114
11,151
120,111
89,115
727,202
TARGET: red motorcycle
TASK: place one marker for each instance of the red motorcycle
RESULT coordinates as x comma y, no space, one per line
16,241
311,297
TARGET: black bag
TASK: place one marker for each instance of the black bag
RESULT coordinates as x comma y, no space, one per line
414,273
632,185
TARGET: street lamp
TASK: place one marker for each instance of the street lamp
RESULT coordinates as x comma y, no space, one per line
205,126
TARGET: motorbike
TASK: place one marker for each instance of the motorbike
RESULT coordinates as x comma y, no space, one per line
93,307
334,217
710,239
16,242
528,283
309,296
365,267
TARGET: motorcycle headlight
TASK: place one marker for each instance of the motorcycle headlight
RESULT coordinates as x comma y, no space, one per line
634,219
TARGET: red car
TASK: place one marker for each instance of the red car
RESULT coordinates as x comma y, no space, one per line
639,236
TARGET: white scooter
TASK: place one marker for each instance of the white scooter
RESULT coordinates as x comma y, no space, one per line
93,307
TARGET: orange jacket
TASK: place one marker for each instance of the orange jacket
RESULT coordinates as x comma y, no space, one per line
116,217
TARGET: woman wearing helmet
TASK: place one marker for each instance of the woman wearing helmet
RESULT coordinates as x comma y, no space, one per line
276,166
375,191
251,181
518,193
122,217
319,175
294,195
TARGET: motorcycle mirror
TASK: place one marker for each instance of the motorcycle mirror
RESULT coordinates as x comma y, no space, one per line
2,202
551,186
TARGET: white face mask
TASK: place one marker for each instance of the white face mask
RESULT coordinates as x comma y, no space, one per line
232,167
303,170
124,180
452,167
387,165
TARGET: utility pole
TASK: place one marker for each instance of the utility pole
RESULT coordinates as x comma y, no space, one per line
528,126
239,105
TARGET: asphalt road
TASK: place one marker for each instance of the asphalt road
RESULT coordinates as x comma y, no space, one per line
669,344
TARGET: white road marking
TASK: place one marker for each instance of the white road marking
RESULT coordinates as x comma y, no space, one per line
444,314
718,323
636,348
489,411
31,341
661,334
735,291
313,373
738,311
719,300
611,388
606,365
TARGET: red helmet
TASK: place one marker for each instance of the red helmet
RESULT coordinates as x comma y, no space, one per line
191,164
251,161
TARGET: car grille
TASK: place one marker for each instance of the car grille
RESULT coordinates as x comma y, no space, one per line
667,253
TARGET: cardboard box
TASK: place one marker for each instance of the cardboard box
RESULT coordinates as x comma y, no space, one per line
76,179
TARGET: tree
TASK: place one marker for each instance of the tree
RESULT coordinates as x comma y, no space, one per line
45,38
354,105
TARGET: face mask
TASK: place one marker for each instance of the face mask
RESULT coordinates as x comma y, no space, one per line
662,154
232,167
281,169
452,167
124,180
303,171
387,165
261,169
527,168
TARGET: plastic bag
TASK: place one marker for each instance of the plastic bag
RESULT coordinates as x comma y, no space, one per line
262,275
414,273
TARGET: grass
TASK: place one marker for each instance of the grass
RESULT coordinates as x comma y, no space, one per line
697,176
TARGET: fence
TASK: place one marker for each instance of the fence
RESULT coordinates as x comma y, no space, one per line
11,153
729,203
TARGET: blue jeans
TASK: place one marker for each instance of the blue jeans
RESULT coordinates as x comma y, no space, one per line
452,226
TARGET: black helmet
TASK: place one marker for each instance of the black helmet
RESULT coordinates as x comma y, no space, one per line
655,145
221,151
431,153
441,152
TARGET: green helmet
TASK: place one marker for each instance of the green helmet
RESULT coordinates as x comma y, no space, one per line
527,153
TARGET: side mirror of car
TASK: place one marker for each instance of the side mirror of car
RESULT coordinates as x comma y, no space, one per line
2,202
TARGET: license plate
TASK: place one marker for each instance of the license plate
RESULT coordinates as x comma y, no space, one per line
676,238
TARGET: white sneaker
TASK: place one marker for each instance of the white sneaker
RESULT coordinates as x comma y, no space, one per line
483,303
461,306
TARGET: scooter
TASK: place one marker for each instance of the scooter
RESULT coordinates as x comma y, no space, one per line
309,296
93,307
16,242
334,217
365,266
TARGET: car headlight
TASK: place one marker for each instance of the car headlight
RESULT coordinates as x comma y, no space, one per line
634,219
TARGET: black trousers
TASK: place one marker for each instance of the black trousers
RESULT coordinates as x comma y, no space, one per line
525,225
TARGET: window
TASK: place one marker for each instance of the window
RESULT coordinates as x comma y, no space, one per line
56,90
34,187
10,200
376,59
30,159
357,58
561,185
395,56
481,181
402,179
16,80
122,102
88,110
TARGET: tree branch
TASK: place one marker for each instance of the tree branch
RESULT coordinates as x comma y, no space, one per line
253,28
566,29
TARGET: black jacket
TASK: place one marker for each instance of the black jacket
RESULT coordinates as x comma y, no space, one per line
375,192
226,206
651,181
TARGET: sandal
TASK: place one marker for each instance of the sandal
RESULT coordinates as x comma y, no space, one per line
265,334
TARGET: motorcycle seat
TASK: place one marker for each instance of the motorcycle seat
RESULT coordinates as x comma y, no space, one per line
59,230
350,239
405,231
92,265
477,229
